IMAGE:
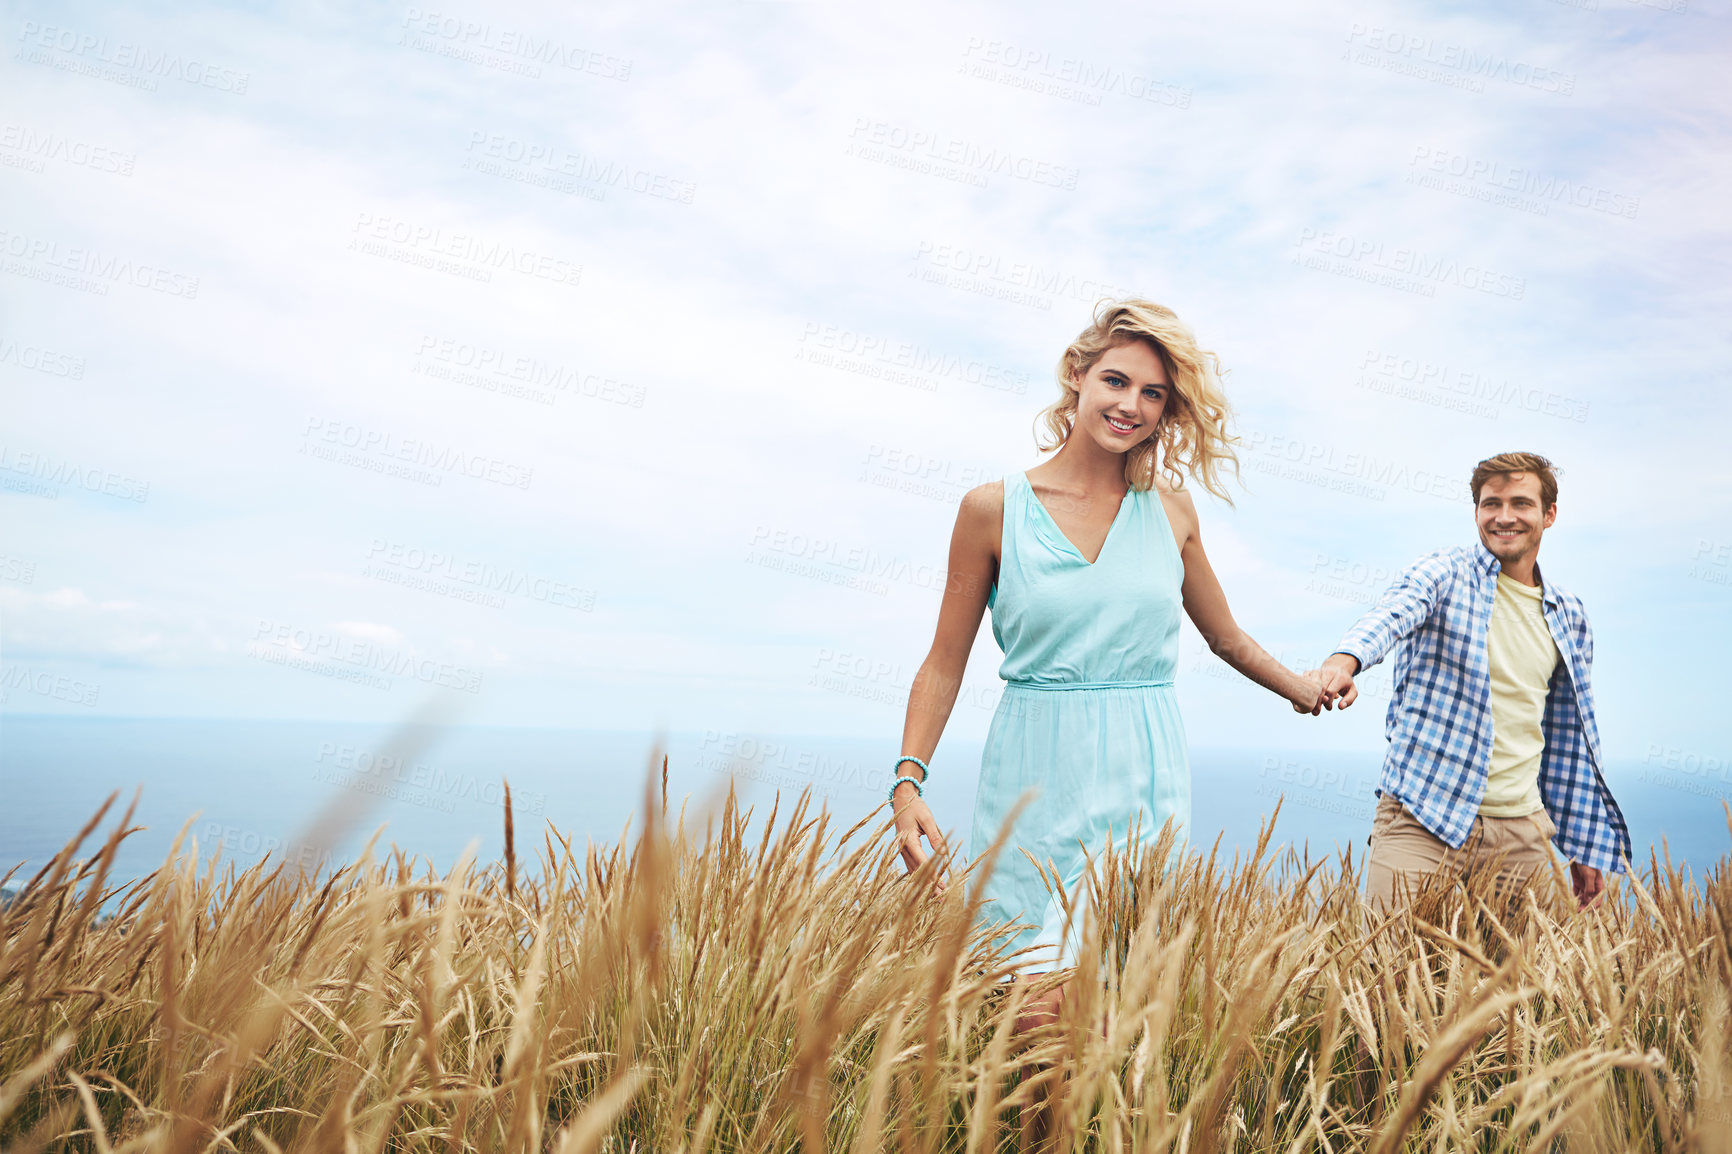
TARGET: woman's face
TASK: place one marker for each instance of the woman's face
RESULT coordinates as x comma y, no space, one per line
1122,396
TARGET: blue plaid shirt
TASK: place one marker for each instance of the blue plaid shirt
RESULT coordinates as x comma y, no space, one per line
1439,724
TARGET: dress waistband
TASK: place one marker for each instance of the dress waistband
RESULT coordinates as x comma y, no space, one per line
1050,685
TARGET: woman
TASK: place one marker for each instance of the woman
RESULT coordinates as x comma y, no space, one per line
1086,561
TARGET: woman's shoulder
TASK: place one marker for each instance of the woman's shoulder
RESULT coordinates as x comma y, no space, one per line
979,521
985,500
1173,497
1180,509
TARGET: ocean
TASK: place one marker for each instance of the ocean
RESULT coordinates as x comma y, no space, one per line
242,789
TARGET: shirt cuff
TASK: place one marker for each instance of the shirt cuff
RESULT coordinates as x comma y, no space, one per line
1357,653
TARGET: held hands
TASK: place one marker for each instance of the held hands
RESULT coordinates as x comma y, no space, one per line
1308,695
1334,681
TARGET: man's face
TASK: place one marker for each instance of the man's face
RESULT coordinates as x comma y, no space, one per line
1509,515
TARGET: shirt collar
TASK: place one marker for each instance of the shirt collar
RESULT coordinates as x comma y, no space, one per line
1491,567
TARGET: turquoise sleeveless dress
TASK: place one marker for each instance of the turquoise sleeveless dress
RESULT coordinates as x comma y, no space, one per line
1089,716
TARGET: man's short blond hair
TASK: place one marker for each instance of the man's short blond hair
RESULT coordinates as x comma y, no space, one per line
1506,463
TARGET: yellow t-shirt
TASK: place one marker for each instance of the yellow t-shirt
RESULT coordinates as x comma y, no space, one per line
1523,657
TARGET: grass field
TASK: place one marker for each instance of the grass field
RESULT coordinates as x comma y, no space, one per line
768,982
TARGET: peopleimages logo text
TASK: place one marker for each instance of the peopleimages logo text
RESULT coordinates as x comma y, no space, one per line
316,644
580,166
856,558
465,246
530,370
1409,262
1495,175
54,146
920,360
440,458
98,265
517,42
1473,62
967,155
149,61
1019,274
40,359
482,575
64,471
46,684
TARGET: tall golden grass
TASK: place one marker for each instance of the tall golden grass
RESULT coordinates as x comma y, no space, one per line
770,983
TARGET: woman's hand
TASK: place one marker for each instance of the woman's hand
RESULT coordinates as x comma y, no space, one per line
914,820
1309,695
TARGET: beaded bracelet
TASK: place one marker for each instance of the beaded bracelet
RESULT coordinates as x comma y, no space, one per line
916,761
918,791
918,782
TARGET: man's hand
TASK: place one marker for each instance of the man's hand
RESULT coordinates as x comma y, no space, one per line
1336,676
1589,884
914,820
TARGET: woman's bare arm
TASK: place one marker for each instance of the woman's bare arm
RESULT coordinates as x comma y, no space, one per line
1206,605
974,549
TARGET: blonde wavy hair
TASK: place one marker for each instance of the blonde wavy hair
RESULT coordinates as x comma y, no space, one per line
1191,438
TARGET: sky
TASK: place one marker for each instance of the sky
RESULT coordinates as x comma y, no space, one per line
621,366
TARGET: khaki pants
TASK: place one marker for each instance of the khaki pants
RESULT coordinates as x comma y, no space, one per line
1403,852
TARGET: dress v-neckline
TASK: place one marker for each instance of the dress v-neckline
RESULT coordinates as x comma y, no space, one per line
1050,520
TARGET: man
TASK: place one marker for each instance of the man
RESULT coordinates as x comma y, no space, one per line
1493,747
